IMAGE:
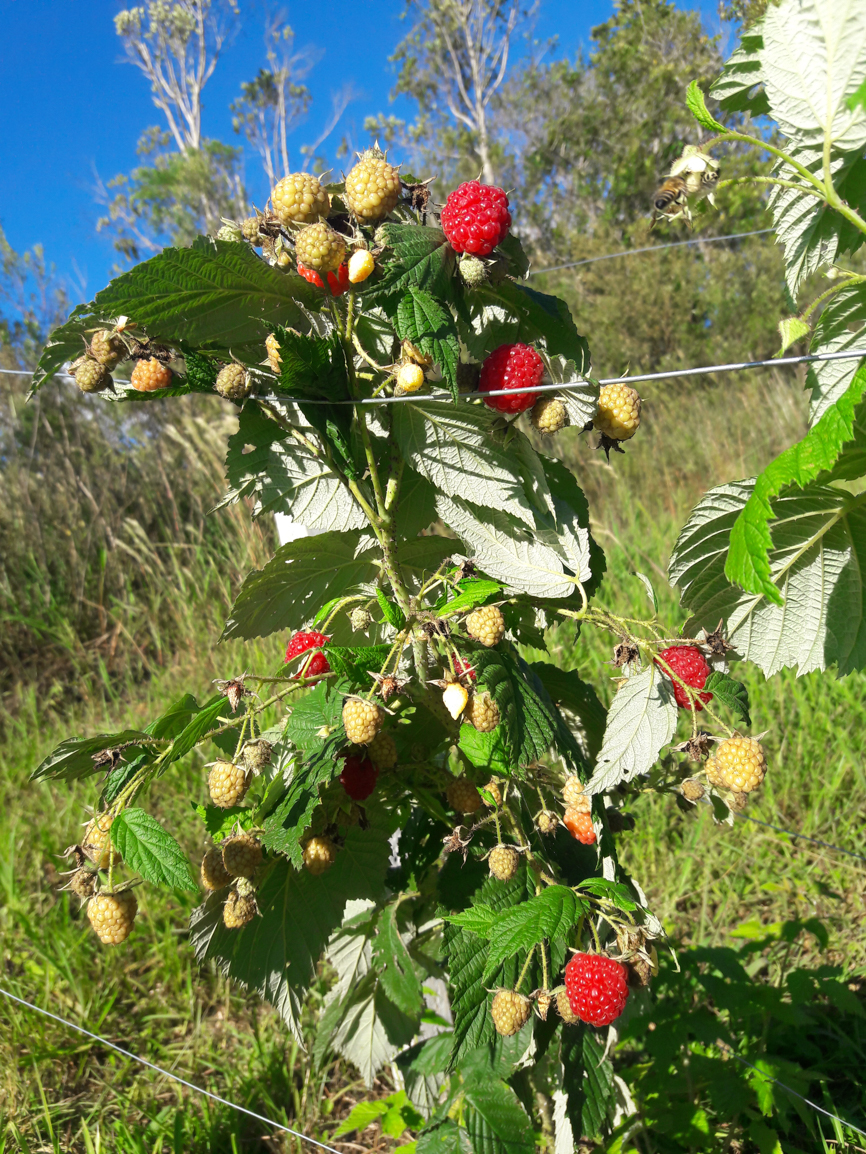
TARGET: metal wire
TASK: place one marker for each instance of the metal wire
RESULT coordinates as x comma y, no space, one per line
650,248
804,837
168,1073
726,1049
736,366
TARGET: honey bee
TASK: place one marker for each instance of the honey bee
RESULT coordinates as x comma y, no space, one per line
670,200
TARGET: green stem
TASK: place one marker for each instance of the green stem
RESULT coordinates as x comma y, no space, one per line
770,180
849,280
522,976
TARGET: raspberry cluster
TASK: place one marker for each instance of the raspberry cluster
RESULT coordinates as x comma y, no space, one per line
579,824
482,712
149,375
319,247
618,413
463,796
372,187
691,666
597,988
242,855
476,218
503,862
517,368
486,625
319,855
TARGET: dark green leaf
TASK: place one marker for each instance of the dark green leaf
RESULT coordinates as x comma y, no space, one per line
569,692
528,723
512,250
473,591
286,593
430,327
445,1138
392,613
397,973
73,759
201,372
423,259
208,718
355,662
318,711
219,822
217,295
478,919
149,850
550,914
729,692
496,1121
312,366
539,317
587,1079
487,751
615,892
285,826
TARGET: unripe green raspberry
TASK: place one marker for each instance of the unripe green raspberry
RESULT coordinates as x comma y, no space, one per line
91,377
548,415
473,270
257,755
362,720
503,862
510,1012
299,198
372,187
382,751
107,348
230,232
250,230
563,1006
241,906
486,625
233,382
360,619
242,855
321,248
618,413
463,796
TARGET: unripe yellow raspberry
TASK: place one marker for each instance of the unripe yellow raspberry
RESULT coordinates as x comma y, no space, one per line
463,796
382,751
547,821
495,792
454,698
257,755
112,916
97,842
319,855
482,712
486,625
573,795
361,265
318,246
503,862
233,382
227,783
548,415
242,855
272,345
372,188
299,198
362,720
618,413
150,375
92,377
213,874
410,378
241,906
738,764
510,1012
563,1007
692,790
107,348
83,883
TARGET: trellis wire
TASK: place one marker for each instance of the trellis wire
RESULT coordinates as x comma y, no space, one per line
168,1073
804,837
723,1046
733,367
650,248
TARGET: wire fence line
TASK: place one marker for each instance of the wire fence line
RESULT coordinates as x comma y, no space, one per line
167,1073
723,1046
650,248
563,387
804,837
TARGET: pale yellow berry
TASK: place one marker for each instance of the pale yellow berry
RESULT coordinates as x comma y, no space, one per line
618,413
107,348
319,247
361,265
454,698
97,842
319,855
227,783
362,720
273,349
241,906
547,821
573,795
692,790
738,764
503,862
112,916
463,796
299,198
242,855
510,1012
482,712
563,1006
214,875
548,415
382,751
372,188
410,378
486,625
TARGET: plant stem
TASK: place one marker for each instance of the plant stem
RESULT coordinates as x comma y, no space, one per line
525,969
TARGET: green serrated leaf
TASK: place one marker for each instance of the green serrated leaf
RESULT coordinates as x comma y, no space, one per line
698,108
149,850
512,249
528,722
473,591
550,914
209,717
496,1120
477,919
392,613
585,713
312,366
641,721
354,662
201,372
65,343
423,259
214,295
315,717
530,317
73,759
487,751
740,86
587,1079
791,330
288,822
615,892
396,970
730,693
219,823
748,563
423,320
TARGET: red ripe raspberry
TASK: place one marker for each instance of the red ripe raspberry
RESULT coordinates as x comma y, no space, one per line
511,367
597,988
463,668
476,218
338,281
359,777
689,663
316,665
579,825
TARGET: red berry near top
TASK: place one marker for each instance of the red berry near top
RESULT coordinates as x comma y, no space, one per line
597,988
338,281
517,367
316,665
476,218
359,777
689,663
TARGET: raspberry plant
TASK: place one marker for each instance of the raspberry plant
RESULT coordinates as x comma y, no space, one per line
421,800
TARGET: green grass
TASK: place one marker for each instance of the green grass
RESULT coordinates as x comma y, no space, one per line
58,1091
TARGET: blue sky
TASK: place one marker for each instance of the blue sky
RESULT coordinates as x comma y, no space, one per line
73,108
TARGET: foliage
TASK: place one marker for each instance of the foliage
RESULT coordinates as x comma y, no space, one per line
452,494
